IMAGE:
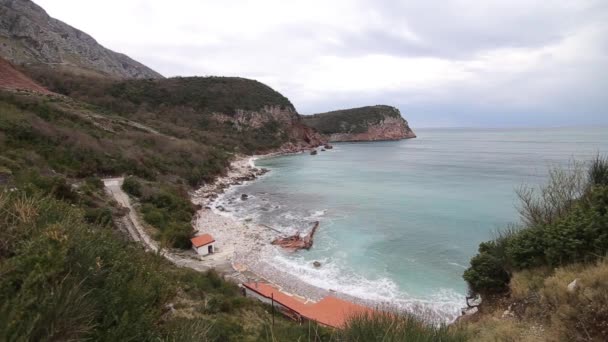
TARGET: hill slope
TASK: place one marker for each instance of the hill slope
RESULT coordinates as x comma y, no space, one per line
12,79
369,123
226,108
28,35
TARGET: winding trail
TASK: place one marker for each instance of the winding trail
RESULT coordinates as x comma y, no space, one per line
132,224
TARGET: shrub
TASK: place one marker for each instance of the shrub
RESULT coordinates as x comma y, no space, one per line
486,275
64,279
132,186
598,171
567,223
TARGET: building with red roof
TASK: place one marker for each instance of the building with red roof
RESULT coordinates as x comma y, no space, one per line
329,311
203,244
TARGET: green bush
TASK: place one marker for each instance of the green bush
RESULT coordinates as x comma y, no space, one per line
132,186
487,275
64,279
573,232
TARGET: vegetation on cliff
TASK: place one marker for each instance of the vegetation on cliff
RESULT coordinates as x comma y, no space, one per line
564,240
355,120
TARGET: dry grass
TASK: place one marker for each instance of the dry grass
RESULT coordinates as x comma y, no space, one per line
544,310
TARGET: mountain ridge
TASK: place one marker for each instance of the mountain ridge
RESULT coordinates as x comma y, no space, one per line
28,35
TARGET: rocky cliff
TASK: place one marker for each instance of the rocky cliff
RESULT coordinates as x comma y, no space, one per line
372,123
299,135
28,35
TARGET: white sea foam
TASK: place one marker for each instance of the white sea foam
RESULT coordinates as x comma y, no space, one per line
444,304
457,265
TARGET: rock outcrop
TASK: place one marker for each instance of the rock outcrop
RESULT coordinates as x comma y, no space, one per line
372,123
301,137
296,242
28,35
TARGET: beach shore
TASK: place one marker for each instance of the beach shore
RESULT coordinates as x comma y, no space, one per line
244,251
245,245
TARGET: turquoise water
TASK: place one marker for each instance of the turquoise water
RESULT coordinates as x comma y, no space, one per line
400,220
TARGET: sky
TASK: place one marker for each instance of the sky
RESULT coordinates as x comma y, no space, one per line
450,63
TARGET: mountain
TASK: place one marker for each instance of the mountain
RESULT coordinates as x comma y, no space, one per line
28,35
371,123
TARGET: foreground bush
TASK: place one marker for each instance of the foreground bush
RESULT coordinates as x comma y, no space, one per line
397,328
65,279
567,223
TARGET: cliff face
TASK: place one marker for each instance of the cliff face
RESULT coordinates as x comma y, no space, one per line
387,129
28,35
372,123
299,136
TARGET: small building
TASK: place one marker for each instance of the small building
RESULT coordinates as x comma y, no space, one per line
203,244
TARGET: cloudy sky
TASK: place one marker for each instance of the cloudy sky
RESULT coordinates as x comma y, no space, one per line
442,63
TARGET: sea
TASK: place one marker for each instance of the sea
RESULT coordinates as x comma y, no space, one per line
400,220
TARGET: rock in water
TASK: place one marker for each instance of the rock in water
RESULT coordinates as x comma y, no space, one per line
296,242
313,152
244,197
316,264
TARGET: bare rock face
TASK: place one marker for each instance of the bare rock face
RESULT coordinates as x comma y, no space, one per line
301,136
28,35
371,123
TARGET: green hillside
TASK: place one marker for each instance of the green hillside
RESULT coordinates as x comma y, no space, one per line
355,120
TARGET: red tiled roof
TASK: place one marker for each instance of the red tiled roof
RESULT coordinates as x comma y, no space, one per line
202,240
330,311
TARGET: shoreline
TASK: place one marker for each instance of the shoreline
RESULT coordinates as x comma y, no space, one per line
246,245
244,248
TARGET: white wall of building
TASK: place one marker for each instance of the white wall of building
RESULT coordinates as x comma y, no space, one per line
204,250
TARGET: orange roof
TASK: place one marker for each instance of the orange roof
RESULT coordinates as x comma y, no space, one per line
330,311
202,240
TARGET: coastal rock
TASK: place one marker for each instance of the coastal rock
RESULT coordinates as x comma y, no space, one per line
244,197
291,124
328,146
316,264
372,123
313,152
296,242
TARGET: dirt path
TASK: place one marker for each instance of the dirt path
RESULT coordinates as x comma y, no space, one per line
135,228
